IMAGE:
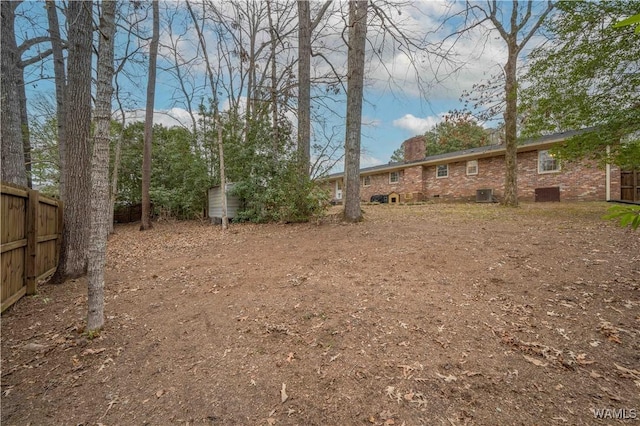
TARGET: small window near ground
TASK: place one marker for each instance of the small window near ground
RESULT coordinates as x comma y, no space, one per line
366,181
547,163
472,167
394,177
442,171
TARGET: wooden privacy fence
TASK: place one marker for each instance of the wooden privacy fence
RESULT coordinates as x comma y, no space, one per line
31,236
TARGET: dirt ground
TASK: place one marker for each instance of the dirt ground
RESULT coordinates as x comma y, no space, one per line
421,315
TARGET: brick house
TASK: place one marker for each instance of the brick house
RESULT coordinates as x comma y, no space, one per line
478,174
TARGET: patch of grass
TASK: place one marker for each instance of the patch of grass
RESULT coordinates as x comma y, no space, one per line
43,299
92,334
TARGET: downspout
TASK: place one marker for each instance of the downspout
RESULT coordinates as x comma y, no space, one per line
608,176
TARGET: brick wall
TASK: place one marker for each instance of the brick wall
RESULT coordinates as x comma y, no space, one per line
409,182
460,185
414,148
577,181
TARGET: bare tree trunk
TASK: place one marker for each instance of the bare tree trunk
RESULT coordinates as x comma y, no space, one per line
148,124
510,121
355,88
305,30
13,162
113,193
223,177
511,81
304,85
77,127
60,77
16,53
274,80
216,113
24,125
100,169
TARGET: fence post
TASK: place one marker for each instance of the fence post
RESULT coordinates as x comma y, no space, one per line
32,240
60,213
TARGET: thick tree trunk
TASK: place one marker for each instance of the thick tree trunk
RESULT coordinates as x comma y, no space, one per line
223,177
510,123
304,85
12,152
24,125
60,82
100,169
355,86
77,126
113,193
148,124
516,31
216,117
274,81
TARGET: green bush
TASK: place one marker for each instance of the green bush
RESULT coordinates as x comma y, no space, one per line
628,216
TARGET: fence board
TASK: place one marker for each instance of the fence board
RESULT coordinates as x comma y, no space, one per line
31,237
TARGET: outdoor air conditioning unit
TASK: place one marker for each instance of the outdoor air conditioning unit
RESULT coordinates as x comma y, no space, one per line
484,196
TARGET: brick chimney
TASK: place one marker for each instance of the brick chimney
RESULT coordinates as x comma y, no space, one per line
414,148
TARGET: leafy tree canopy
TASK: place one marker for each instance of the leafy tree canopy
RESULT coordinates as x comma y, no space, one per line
398,155
458,131
179,177
632,20
588,75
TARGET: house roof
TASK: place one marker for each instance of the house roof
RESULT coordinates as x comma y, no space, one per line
469,154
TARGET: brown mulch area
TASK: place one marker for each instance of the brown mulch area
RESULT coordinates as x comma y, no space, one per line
420,315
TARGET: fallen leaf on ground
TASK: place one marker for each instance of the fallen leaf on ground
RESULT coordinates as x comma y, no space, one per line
535,361
283,393
628,372
450,378
35,347
582,359
93,351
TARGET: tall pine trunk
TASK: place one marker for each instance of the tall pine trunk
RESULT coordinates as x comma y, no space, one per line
60,77
355,87
304,86
216,116
100,169
148,123
77,127
24,125
13,164
274,82
510,124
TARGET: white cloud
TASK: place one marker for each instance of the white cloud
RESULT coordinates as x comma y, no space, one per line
371,122
367,160
167,118
417,125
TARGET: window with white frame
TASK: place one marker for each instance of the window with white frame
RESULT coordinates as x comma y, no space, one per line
442,171
394,177
472,167
547,163
366,181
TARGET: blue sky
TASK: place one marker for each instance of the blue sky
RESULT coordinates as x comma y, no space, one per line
395,107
